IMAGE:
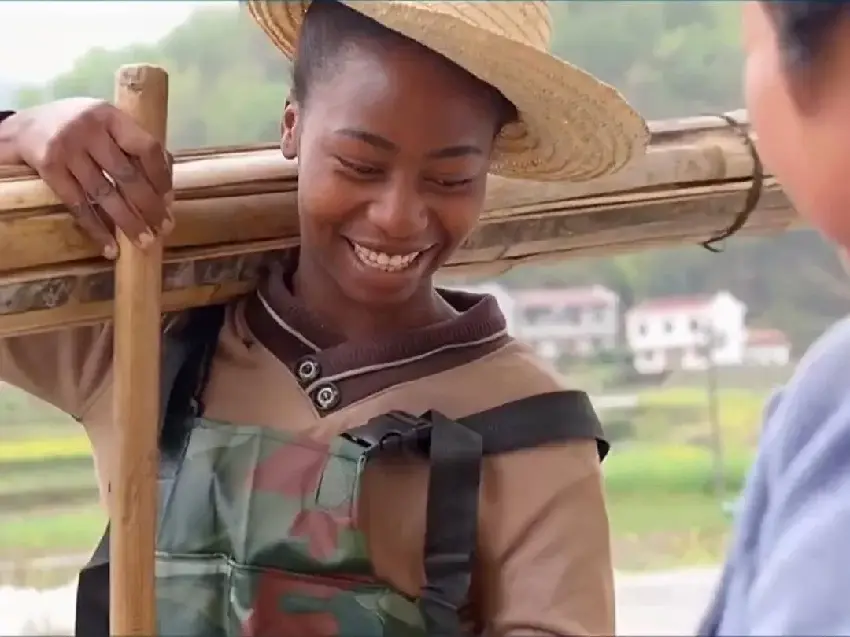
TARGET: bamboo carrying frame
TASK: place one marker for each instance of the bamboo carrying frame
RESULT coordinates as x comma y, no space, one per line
237,206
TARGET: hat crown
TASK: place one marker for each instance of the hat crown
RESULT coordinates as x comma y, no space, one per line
528,22
571,126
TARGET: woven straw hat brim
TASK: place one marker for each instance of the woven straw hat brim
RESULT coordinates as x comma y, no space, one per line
572,127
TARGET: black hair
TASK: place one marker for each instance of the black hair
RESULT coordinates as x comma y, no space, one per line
804,28
330,26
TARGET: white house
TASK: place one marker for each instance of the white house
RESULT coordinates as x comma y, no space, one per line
579,321
679,332
507,303
767,348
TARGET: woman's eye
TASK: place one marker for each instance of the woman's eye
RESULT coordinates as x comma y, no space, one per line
363,170
450,184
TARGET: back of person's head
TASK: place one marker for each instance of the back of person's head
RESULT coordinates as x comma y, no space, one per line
797,89
805,29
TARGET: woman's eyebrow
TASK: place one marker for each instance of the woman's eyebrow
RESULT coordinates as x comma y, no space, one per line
385,144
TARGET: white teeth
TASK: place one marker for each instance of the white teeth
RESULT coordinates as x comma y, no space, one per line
383,261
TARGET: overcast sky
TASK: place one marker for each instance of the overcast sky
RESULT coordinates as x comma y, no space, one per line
41,38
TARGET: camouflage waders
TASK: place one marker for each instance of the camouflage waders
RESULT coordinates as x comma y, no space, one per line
258,533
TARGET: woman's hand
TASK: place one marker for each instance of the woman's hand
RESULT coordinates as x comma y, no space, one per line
99,162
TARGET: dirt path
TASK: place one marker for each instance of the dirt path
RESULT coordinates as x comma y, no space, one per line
666,603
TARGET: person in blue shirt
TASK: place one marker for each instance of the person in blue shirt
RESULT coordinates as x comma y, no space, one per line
788,569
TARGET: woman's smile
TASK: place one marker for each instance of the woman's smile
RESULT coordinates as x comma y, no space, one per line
385,260
384,266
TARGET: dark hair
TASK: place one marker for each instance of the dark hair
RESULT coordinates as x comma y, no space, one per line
329,27
804,28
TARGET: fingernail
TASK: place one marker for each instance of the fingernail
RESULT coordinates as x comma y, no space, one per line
145,239
111,252
167,226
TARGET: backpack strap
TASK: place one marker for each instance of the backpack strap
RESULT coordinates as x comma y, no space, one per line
186,357
456,449
548,418
187,361
533,421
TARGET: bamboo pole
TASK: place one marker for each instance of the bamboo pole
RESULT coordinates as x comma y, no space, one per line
234,204
142,92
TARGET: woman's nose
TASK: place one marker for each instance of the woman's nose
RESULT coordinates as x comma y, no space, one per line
400,213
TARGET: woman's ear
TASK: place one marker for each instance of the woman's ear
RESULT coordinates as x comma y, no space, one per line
289,129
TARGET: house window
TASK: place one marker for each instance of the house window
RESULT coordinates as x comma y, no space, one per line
569,315
648,357
536,314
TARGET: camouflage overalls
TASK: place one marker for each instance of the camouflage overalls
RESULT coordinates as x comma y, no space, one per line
258,532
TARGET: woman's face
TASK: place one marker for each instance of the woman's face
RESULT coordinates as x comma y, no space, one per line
393,149
804,142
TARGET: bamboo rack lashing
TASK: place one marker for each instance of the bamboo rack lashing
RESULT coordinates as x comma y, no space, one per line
237,206
142,92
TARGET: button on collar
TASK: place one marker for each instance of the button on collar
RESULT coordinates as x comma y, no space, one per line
307,370
326,397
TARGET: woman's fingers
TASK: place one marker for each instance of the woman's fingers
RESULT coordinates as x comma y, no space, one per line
137,191
68,189
148,152
103,192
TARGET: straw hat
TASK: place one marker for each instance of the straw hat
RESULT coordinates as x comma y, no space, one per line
572,126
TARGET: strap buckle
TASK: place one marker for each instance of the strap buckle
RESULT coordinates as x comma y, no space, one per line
393,432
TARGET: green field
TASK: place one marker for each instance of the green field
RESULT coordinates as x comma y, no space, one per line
660,480
59,532
660,499
647,532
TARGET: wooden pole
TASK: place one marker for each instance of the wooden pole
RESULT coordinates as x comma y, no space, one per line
142,92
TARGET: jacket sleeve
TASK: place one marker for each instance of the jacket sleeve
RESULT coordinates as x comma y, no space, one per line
545,551
66,368
803,559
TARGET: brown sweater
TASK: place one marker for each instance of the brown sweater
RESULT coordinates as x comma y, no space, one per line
543,562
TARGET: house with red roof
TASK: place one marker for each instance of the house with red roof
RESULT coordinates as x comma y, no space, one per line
573,321
687,332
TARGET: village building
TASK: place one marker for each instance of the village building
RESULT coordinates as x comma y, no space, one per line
575,321
682,332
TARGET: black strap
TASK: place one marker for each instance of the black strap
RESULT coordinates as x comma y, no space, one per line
192,349
186,357
455,449
456,453
530,422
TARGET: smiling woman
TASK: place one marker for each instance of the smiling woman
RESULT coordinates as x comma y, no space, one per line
363,453
394,144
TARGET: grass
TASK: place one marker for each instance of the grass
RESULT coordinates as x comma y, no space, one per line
681,412
80,476
667,531
661,531
51,532
646,470
660,489
21,413
38,449
662,509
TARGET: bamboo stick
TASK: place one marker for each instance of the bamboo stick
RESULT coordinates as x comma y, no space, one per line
241,195
235,203
142,92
